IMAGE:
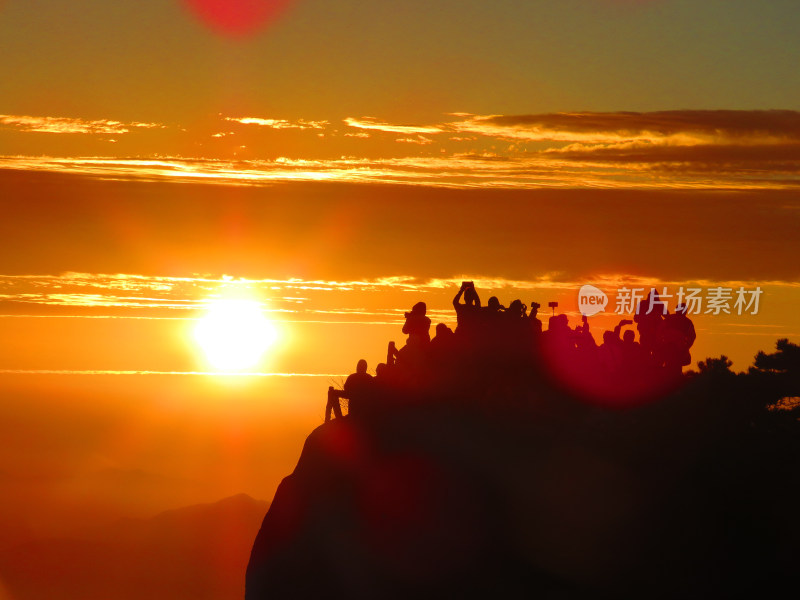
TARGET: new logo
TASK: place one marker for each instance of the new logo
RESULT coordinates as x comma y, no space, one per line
591,300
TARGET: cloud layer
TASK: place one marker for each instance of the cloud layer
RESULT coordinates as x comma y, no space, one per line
688,149
681,127
278,123
38,124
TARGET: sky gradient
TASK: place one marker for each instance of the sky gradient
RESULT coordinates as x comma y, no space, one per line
157,61
338,162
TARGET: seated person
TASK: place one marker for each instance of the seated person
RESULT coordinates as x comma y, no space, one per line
442,345
358,388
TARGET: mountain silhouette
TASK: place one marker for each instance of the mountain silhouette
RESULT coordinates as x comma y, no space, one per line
504,460
193,552
549,497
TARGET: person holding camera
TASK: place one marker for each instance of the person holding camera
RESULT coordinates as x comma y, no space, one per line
467,314
533,319
417,326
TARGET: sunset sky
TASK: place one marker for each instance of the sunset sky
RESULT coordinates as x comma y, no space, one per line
338,162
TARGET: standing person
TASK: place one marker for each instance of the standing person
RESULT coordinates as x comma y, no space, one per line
611,350
417,325
514,330
467,313
677,336
533,319
634,359
490,326
648,318
492,312
412,358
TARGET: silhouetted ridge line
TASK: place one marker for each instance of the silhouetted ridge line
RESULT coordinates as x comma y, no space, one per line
468,467
501,351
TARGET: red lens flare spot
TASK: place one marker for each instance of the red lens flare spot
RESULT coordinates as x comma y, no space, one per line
609,390
237,18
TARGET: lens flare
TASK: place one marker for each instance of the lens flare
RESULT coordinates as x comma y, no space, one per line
237,18
615,391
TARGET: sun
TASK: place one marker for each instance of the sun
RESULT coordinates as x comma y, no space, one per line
234,334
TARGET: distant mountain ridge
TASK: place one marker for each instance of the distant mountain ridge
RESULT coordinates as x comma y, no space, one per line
197,552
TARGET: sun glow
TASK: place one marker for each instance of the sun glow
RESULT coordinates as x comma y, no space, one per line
234,334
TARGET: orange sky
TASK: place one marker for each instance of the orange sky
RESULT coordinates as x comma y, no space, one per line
339,162
104,280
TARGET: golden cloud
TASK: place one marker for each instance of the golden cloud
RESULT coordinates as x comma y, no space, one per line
279,123
71,125
375,125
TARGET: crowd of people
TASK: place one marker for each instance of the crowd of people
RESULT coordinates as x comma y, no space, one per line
494,343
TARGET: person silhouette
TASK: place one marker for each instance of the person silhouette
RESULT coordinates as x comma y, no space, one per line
612,351
442,354
492,311
582,335
634,359
585,352
648,318
467,313
333,408
677,336
443,340
516,310
514,334
358,388
490,326
533,319
557,339
412,357
417,325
